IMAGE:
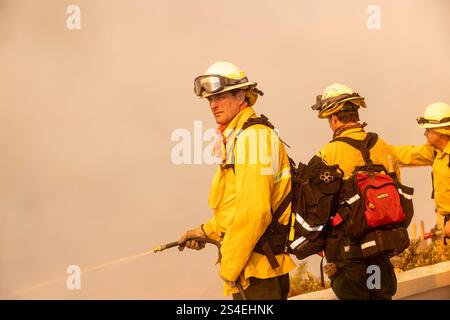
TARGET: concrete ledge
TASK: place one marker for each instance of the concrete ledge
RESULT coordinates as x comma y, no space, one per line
428,282
424,281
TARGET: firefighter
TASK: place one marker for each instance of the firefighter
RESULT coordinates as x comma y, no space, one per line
245,190
435,153
348,270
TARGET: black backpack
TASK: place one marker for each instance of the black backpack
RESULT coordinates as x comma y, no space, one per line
373,212
316,187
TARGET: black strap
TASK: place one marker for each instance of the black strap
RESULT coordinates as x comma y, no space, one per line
250,122
264,243
258,120
270,255
363,146
261,120
287,200
322,280
446,238
432,185
282,207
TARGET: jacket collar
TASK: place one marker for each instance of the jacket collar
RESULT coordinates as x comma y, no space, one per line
445,151
238,121
349,132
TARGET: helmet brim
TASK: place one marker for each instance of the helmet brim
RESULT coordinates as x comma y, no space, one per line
434,125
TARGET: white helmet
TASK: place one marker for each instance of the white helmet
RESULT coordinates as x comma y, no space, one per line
436,115
224,76
333,97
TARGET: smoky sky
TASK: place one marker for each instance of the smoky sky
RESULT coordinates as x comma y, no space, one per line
86,118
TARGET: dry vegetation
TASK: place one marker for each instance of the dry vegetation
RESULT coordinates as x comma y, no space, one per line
417,255
303,281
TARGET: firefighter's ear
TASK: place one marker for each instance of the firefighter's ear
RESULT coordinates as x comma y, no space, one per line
241,96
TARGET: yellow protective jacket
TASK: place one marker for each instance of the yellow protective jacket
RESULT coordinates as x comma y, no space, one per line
348,158
426,155
243,200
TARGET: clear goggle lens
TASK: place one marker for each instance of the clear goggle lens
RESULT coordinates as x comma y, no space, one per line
211,84
214,83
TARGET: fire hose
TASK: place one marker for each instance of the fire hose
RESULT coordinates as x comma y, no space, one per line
204,240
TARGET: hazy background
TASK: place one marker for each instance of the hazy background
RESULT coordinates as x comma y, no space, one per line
86,118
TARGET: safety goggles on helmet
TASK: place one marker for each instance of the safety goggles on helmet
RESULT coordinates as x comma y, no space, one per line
324,103
212,83
422,120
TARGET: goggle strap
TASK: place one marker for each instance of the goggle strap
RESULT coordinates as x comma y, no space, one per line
318,104
258,91
339,98
321,103
422,120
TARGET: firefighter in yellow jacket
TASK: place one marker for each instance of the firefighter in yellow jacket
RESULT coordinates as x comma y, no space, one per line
339,104
250,183
435,153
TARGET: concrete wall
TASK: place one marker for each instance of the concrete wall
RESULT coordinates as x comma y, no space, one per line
424,283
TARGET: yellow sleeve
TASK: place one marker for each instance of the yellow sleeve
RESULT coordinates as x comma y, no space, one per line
415,155
210,229
326,153
254,184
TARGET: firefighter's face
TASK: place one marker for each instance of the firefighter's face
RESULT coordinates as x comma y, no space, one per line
433,137
225,106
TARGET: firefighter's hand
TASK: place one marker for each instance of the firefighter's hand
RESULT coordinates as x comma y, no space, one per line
447,229
185,240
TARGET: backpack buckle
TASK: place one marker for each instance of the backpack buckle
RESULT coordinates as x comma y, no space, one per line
336,220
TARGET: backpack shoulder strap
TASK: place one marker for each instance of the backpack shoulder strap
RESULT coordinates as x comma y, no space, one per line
363,146
250,122
258,120
261,120
282,207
